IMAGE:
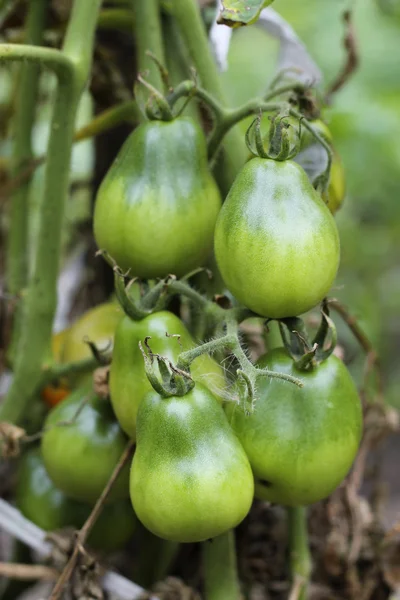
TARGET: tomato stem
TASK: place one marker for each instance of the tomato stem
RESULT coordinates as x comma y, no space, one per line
71,65
300,557
17,251
148,37
220,568
188,17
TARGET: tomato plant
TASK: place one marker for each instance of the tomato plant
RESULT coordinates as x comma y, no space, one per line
301,442
276,243
81,447
200,483
48,507
156,209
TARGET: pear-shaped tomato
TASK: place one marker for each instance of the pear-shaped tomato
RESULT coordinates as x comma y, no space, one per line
276,243
48,507
97,325
301,442
81,448
190,477
128,380
156,209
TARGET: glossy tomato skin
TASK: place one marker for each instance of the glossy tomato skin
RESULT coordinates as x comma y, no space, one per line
80,457
301,442
200,483
156,209
48,507
128,380
276,243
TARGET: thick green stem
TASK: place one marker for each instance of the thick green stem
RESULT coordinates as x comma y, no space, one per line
116,18
17,251
51,59
220,568
187,14
177,63
40,298
300,557
148,37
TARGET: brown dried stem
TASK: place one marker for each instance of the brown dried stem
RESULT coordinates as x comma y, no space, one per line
27,572
352,58
87,527
372,359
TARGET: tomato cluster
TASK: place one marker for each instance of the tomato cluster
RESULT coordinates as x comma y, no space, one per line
199,459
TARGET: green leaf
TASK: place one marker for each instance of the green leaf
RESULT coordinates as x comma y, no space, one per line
236,13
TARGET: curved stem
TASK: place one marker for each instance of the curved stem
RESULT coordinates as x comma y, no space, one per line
126,112
54,60
187,14
324,178
17,250
300,557
220,568
41,295
148,37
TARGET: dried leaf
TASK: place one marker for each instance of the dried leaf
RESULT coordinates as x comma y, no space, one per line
236,13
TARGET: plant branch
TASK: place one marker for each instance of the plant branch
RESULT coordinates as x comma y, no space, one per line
352,58
41,295
83,534
188,17
17,250
220,568
300,557
372,360
54,60
27,572
148,37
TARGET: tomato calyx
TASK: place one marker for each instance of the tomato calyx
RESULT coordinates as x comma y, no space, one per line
281,145
306,353
174,381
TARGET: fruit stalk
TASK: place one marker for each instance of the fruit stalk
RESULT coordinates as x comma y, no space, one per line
148,37
72,66
220,568
189,20
300,557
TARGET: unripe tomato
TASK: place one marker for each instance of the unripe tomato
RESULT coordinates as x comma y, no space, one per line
276,243
81,456
301,442
98,325
128,379
156,209
49,508
190,477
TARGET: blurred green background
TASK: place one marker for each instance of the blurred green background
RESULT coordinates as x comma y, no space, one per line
365,122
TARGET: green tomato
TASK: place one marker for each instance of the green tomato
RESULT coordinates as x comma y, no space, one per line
301,442
128,380
81,456
156,209
49,508
276,243
98,325
190,477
